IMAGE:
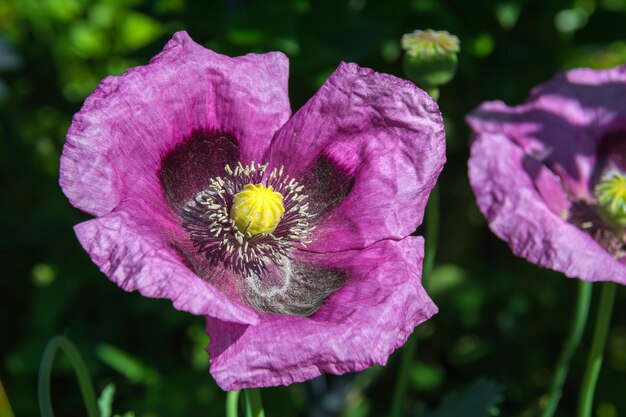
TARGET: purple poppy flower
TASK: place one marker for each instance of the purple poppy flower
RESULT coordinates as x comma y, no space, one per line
289,233
540,172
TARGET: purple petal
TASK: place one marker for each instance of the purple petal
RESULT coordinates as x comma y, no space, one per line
548,185
132,245
132,122
563,123
373,138
359,326
517,213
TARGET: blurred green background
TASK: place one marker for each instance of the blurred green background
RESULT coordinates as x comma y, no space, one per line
501,318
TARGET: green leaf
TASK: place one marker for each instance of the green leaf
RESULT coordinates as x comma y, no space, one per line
127,365
139,30
478,400
105,402
88,41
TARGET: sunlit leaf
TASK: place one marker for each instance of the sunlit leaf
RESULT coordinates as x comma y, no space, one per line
105,401
88,40
102,15
65,10
139,30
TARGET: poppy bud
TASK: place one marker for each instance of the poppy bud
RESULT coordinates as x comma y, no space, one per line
431,58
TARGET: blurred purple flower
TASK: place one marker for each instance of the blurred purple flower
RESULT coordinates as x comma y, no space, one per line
158,154
535,170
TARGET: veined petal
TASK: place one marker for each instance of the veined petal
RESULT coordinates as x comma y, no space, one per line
564,123
133,246
369,148
359,326
516,212
125,129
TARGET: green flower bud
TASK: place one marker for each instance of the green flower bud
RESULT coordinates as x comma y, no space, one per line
431,57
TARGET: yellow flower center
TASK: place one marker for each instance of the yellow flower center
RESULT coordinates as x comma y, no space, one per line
611,194
257,209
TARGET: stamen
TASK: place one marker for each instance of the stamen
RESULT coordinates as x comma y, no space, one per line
246,248
604,219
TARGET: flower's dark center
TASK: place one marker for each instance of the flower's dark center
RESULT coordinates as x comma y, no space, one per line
605,219
249,218
587,218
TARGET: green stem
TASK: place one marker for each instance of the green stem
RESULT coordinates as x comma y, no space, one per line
232,403
254,407
45,369
432,235
403,376
594,361
571,344
408,352
5,406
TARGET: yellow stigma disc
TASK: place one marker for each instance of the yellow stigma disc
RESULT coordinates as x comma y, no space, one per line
257,209
611,194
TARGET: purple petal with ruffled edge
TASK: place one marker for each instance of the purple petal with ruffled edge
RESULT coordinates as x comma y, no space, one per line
370,146
359,326
117,141
147,141
563,122
378,135
132,245
516,212
529,163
